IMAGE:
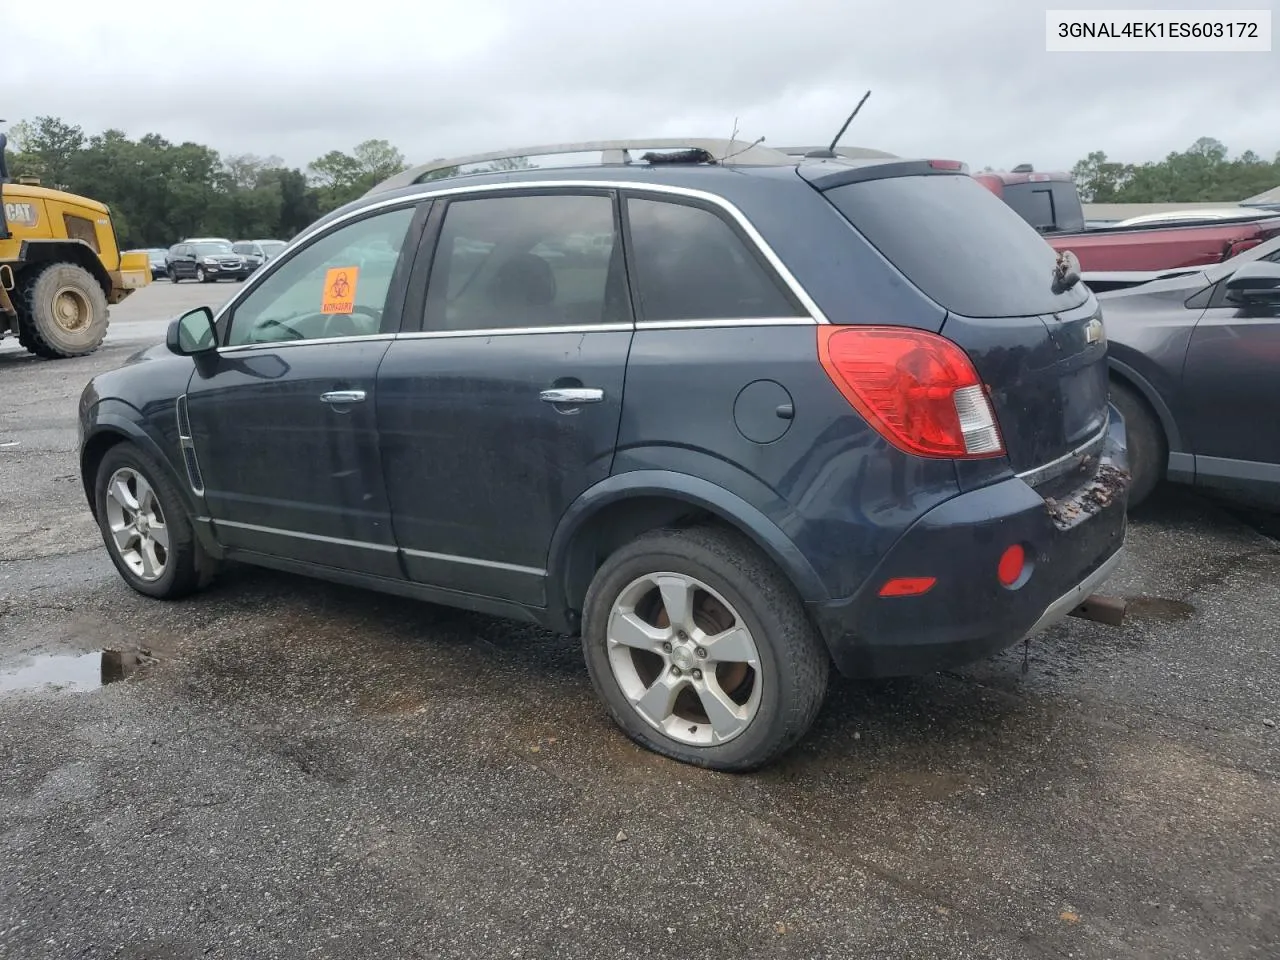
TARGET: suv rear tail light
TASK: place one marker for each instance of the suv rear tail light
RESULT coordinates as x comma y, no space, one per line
917,389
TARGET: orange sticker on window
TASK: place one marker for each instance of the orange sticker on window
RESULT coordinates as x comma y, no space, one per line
339,290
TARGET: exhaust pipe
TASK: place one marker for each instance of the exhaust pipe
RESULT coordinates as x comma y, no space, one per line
1100,609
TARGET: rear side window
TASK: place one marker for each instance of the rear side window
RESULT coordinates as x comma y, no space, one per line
518,262
692,265
957,242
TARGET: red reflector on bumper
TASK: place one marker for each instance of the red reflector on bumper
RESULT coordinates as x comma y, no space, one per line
907,586
1011,563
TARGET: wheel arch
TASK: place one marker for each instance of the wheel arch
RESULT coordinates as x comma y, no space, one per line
1126,374
623,506
109,429
37,254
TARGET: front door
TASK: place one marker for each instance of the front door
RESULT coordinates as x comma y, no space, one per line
505,406
283,415
1231,384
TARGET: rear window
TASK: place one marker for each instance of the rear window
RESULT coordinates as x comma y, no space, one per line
1047,205
959,243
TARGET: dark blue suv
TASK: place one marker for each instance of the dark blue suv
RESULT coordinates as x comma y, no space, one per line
731,416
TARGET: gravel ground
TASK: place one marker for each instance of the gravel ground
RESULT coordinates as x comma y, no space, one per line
312,771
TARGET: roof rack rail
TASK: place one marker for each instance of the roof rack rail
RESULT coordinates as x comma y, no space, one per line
727,152
843,153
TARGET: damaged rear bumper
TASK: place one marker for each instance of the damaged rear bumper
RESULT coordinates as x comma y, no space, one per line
1072,541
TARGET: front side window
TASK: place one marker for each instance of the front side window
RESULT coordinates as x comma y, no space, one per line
528,261
691,265
335,287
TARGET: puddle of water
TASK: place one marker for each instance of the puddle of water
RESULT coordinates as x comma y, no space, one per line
1159,608
69,673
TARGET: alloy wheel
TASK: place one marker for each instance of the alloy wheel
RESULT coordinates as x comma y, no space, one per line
684,659
138,530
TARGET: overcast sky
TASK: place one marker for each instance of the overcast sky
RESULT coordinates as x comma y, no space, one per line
962,80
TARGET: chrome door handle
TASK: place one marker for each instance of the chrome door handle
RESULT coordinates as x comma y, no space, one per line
573,395
342,396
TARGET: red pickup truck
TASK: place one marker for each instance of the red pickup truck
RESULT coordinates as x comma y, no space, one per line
1120,256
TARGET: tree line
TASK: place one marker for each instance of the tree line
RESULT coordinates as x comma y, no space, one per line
160,192
1203,172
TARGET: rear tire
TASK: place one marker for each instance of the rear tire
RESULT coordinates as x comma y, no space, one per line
173,275
1148,448
64,312
774,667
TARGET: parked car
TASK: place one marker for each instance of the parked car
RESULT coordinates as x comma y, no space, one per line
1195,362
769,467
207,260
1120,255
257,252
157,257
1202,215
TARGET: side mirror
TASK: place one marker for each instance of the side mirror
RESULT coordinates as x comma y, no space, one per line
192,333
1255,284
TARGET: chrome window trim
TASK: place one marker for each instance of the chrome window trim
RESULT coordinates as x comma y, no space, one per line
636,186
727,322
1068,461
605,327
524,331
277,345
337,541
511,331
474,561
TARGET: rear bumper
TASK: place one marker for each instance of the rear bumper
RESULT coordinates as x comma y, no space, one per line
1072,544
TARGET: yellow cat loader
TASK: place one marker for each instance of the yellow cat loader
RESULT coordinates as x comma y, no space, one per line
60,268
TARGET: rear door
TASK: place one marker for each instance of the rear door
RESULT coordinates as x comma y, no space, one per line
504,406
184,262
1041,353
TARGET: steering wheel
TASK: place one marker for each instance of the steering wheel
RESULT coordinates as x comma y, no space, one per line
267,324
332,319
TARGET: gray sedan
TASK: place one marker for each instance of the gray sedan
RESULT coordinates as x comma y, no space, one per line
1195,369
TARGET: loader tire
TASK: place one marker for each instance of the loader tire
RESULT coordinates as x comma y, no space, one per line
64,312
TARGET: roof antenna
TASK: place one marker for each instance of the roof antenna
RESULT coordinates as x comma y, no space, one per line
830,152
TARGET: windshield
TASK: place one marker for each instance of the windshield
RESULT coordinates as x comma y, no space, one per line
208,249
271,247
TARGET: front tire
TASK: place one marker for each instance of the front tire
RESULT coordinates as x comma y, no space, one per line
1148,449
201,276
64,312
701,649
145,525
